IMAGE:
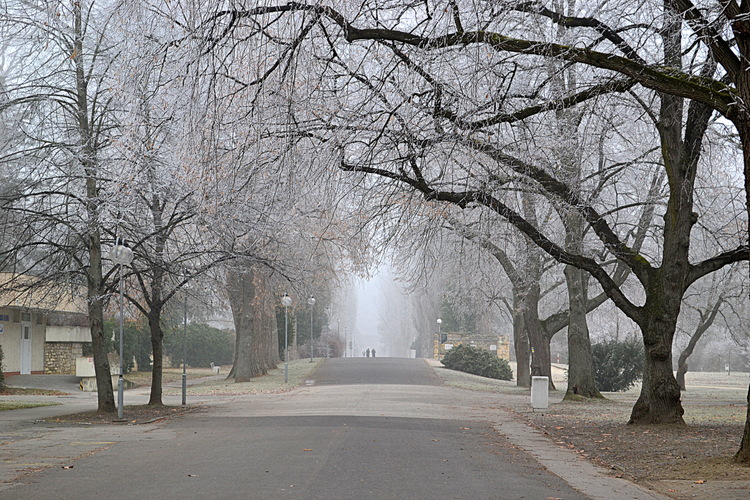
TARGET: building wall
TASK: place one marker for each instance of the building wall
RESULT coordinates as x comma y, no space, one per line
57,333
10,339
38,336
60,357
497,344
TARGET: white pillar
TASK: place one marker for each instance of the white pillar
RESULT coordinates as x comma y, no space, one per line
539,392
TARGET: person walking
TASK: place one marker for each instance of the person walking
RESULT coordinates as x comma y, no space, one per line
367,352
373,353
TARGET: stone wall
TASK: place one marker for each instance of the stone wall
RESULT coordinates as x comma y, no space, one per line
60,357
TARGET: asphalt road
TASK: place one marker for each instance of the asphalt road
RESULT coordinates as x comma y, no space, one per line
379,428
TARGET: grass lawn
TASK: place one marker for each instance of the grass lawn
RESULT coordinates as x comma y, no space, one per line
18,405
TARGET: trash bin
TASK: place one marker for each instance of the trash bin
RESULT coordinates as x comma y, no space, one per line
539,392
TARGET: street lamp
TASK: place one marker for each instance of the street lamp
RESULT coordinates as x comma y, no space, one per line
437,346
184,347
122,256
311,302
286,300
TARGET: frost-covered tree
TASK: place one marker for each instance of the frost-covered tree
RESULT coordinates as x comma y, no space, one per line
63,91
428,99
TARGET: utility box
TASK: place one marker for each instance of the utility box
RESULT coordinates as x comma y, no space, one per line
85,370
539,392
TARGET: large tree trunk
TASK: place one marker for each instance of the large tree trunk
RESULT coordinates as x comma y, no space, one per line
742,122
105,392
580,362
521,344
541,360
659,401
743,454
157,350
255,324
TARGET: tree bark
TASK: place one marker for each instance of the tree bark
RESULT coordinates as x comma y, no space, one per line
541,360
743,454
580,363
255,324
659,401
742,122
520,343
105,392
157,351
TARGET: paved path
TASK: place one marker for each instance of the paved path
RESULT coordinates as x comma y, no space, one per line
346,436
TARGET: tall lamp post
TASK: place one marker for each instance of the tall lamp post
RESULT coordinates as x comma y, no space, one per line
184,348
437,346
286,300
122,256
311,303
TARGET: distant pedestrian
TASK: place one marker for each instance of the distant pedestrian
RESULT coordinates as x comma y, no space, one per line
367,352
373,353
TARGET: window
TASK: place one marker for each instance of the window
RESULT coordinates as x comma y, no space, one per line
26,317
4,317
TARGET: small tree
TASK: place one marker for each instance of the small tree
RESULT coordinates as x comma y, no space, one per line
618,365
477,361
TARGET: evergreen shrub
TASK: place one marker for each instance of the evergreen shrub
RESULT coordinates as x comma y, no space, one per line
477,361
205,345
618,365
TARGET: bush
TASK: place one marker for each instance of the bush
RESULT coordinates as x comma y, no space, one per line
136,340
617,365
205,345
477,361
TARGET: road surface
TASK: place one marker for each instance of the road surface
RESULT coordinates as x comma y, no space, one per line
379,428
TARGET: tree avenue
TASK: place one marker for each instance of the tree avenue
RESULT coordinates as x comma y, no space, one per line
600,142
435,99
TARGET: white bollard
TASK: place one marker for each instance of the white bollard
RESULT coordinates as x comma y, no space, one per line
539,392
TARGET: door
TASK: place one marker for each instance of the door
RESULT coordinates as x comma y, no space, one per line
25,348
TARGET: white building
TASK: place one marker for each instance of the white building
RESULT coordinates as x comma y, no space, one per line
41,330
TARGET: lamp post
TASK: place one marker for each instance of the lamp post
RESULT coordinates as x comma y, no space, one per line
286,300
437,346
122,256
184,348
311,302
